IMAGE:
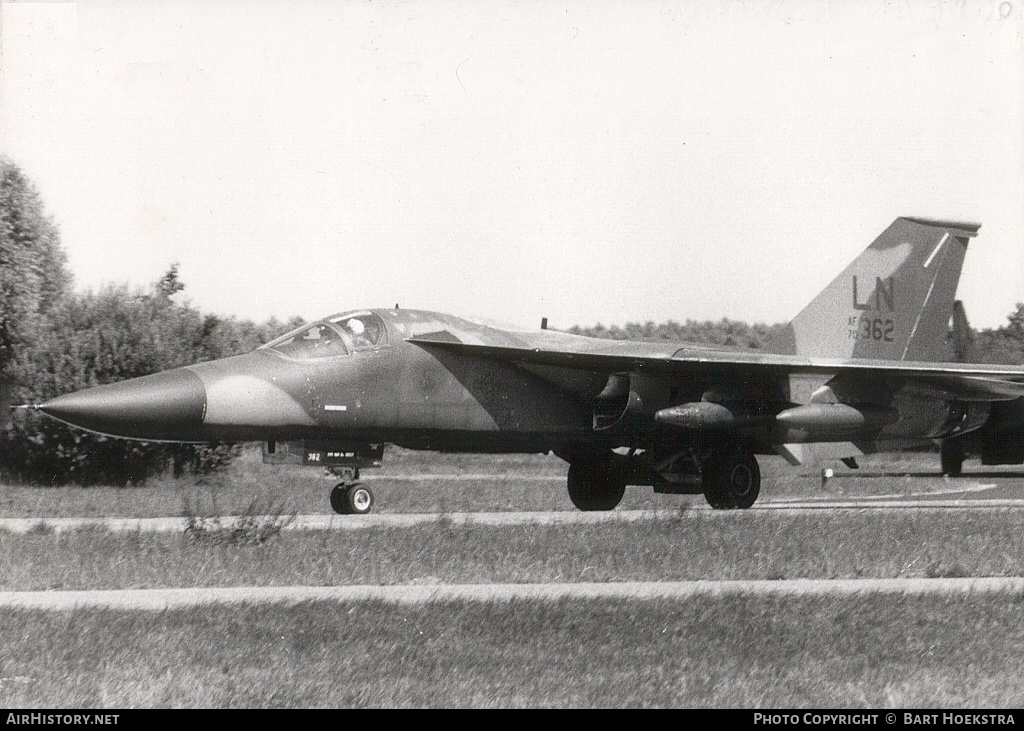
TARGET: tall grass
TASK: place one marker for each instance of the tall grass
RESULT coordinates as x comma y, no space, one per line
674,546
864,651
741,652
260,522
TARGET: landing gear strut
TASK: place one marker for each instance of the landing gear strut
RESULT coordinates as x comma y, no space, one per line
731,479
595,484
952,457
349,497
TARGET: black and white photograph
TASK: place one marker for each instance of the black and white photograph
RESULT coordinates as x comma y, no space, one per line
513,354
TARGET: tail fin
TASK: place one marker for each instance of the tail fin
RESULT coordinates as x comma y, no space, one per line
963,344
893,302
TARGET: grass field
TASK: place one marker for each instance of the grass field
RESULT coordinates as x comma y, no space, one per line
761,652
421,482
741,652
685,546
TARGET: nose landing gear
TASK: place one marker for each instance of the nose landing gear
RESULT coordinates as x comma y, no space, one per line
349,497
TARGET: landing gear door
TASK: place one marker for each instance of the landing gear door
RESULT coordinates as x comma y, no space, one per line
360,455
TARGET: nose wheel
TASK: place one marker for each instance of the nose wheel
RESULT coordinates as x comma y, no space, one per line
351,499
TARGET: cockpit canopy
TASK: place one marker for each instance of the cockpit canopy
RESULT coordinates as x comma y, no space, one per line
338,335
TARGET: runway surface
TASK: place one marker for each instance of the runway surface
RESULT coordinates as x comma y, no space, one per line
162,599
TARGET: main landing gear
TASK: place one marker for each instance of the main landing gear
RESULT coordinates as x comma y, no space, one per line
597,484
953,455
727,475
350,497
731,479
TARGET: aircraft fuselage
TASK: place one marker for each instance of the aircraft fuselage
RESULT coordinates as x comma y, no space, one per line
866,366
422,397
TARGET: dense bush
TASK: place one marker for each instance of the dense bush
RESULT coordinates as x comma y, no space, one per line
93,338
54,340
33,269
1003,344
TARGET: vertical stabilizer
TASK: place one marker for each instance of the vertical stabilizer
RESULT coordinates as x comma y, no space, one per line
964,346
893,302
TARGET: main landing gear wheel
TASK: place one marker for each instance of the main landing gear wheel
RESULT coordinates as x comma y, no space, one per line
595,485
732,480
952,457
351,499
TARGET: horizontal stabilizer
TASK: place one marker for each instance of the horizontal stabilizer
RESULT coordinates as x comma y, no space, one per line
973,388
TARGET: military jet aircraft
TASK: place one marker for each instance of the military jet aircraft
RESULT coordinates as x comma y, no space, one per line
866,366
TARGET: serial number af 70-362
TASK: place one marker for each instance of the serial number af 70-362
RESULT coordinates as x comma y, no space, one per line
868,328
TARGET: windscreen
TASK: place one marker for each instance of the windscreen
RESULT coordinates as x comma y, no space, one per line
316,341
365,329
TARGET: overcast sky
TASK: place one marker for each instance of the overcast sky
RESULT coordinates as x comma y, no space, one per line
584,161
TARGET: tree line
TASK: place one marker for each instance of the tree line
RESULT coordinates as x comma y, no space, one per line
1003,345
55,339
707,332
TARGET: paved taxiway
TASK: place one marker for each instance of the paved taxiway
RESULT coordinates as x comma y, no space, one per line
162,599
965,497
400,520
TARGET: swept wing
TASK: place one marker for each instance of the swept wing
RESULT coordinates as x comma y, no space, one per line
962,381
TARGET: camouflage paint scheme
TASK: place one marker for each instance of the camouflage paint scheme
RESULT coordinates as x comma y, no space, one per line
868,365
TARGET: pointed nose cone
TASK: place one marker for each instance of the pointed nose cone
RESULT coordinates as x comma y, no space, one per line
166,406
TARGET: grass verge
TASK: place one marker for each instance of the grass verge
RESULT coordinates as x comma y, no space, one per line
258,523
673,546
742,652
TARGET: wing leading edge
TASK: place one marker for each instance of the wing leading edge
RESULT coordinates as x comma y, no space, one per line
962,381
